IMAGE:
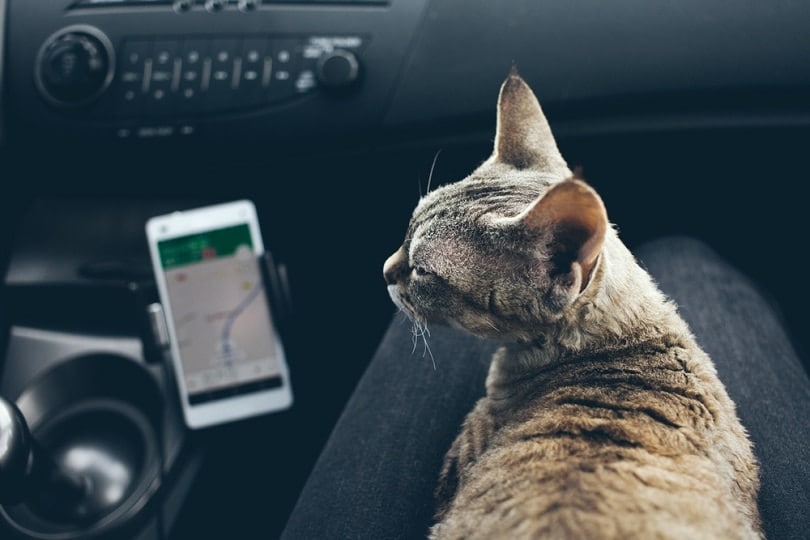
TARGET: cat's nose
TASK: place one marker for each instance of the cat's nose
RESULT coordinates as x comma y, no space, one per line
395,267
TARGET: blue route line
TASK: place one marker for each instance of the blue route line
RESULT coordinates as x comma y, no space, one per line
229,321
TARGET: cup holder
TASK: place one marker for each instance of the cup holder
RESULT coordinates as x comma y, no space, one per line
98,417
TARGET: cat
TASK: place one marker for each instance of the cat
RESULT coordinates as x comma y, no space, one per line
602,418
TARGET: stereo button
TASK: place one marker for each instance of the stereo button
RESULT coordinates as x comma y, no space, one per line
286,64
130,92
223,74
164,76
255,73
189,91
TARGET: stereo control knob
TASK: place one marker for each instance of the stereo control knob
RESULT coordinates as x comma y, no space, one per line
74,66
338,69
214,6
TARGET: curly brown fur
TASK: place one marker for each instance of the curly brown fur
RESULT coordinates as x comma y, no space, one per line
603,418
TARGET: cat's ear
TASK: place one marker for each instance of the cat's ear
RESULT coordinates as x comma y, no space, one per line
572,216
523,137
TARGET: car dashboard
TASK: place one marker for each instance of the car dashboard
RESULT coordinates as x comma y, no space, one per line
140,69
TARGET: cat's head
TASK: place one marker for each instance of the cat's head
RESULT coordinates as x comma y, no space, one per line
509,249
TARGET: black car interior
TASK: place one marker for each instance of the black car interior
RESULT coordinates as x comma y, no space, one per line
333,117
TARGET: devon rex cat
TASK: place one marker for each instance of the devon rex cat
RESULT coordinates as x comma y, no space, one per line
602,418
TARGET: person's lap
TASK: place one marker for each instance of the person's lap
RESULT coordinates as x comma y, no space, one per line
376,474
758,365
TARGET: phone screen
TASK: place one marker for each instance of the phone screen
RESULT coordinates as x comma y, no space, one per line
220,314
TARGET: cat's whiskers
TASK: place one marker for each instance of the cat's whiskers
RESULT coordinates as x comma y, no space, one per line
417,331
420,329
432,167
425,333
427,348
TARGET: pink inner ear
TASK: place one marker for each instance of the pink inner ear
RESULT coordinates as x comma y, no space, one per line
576,216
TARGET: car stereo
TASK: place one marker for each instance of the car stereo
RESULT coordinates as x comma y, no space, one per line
159,68
174,74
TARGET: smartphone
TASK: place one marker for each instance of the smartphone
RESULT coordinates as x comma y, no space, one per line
227,355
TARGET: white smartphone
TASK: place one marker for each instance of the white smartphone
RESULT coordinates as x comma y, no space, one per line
227,354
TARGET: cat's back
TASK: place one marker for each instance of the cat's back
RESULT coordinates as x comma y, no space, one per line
622,444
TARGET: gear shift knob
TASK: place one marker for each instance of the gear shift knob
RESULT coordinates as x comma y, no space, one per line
16,454
24,467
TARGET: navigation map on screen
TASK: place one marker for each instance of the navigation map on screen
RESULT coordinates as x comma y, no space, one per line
220,314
